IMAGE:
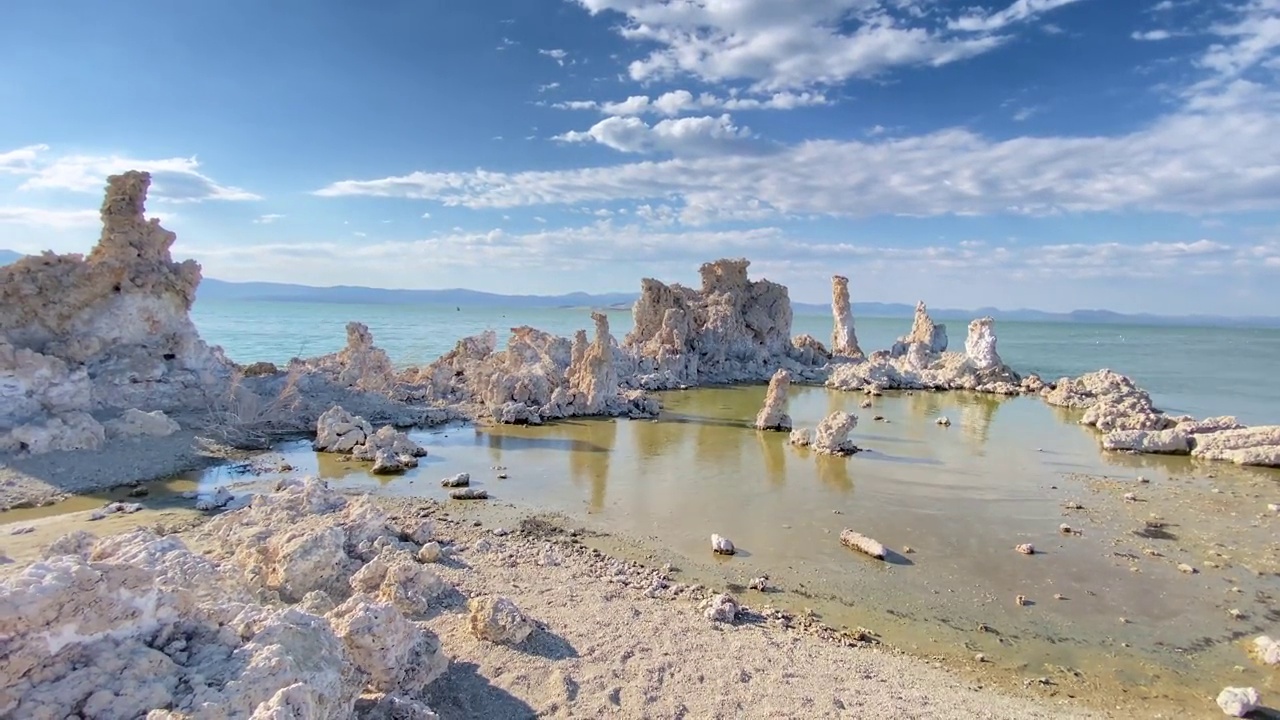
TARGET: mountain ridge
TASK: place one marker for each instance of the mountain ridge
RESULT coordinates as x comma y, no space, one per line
224,290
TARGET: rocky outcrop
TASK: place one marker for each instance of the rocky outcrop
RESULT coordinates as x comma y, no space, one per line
1243,446
732,329
360,364
914,365
844,340
925,333
390,451
831,436
538,377
124,626
773,416
83,336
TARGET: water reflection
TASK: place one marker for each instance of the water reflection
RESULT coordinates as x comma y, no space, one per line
592,468
773,446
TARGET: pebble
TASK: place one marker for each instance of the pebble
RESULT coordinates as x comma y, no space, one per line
980,657
1026,549
1185,568
1020,600
1130,497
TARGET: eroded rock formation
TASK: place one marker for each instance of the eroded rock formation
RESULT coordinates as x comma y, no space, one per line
844,340
390,451
831,437
733,329
914,364
931,336
84,337
773,416
301,603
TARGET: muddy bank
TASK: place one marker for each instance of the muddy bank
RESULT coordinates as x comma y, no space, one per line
588,634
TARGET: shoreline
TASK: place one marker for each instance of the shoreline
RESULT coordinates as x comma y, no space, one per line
634,626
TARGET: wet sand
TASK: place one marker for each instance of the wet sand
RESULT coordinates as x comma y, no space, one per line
1130,631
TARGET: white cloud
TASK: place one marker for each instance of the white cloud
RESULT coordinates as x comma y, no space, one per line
678,102
426,216
1018,11
1152,35
1024,114
1253,39
267,219
21,161
49,219
788,45
680,136
172,179
548,87
1216,154
556,54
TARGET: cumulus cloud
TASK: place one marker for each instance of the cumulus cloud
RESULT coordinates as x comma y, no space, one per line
172,179
1152,35
1216,154
797,44
678,102
686,136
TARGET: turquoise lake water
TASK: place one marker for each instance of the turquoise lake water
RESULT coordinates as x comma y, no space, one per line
1199,371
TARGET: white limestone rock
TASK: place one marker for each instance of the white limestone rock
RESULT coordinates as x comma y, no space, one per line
1172,441
400,656
1267,650
844,338
721,608
930,336
338,431
773,415
106,331
498,620
1238,702
395,577
1258,445
832,434
721,545
980,344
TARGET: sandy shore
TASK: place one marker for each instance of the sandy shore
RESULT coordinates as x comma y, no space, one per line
615,638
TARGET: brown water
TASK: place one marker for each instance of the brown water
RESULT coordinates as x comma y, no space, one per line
961,497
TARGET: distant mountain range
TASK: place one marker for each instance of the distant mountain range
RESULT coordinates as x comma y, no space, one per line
221,290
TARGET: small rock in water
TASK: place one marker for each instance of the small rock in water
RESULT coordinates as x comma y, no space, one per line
1020,600
907,549
1143,479
980,658
1059,596
1065,529
1185,568
721,545
459,480
865,404
944,421
22,530
1236,614
1238,702
1273,507
761,583
502,476
1073,505
1026,549
1130,497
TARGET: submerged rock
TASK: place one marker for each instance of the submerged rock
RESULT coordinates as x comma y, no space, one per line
390,451
721,545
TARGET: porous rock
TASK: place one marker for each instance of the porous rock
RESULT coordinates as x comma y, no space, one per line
1238,702
773,415
498,620
110,330
831,437
844,339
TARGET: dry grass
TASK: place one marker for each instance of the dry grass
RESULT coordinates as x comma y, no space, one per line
242,418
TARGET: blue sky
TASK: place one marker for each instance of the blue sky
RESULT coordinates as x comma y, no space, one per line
1019,153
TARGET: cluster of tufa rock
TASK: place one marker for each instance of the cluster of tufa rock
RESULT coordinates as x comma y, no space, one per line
301,604
390,451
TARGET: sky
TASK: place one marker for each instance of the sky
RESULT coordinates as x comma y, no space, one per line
1054,154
